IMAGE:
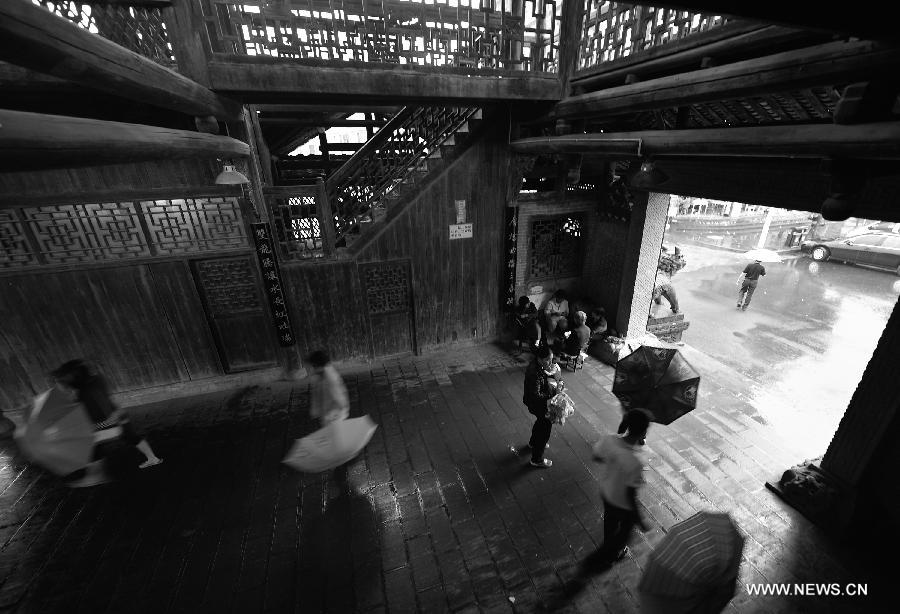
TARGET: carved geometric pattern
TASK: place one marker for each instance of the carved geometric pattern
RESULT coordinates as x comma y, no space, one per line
229,286
490,34
387,288
187,225
138,28
611,30
87,233
556,247
14,248
297,226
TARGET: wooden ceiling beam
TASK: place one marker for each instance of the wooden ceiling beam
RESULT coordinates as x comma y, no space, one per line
34,140
32,37
323,122
305,109
875,140
807,14
814,66
264,83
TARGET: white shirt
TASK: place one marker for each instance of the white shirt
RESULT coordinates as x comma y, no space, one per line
329,396
624,469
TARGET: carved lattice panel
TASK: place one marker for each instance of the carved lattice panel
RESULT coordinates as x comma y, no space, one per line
387,288
477,34
188,225
611,30
14,249
87,233
556,247
229,286
297,227
138,28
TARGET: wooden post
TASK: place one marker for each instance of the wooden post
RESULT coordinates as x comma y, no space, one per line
184,23
570,40
326,217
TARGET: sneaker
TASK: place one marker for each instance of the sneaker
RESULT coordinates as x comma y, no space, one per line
622,553
150,462
544,464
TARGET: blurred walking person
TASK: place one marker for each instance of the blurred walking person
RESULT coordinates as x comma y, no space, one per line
747,281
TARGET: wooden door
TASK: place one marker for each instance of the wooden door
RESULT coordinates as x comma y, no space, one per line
389,303
236,313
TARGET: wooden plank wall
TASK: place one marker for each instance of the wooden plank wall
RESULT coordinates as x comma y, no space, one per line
456,284
143,323
327,309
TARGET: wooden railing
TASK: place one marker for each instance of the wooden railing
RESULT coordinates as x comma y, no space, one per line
517,35
357,191
612,30
138,26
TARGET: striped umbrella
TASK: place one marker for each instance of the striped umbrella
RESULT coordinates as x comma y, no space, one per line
697,556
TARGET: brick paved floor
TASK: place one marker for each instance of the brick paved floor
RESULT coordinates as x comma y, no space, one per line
443,513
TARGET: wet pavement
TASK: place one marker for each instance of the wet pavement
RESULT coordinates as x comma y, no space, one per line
799,351
442,512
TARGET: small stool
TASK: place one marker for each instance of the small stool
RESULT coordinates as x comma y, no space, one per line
576,361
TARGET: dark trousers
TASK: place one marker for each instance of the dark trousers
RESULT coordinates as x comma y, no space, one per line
747,288
617,526
540,432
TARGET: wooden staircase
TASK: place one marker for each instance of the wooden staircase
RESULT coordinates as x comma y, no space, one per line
411,150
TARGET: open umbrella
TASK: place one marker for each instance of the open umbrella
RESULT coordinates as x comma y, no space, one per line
57,434
659,380
763,255
694,567
331,445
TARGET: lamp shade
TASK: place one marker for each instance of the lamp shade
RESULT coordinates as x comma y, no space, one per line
648,176
230,176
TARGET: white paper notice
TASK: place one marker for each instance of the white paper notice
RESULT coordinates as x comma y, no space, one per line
460,231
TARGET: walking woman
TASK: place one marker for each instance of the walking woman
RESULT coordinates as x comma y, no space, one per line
624,475
542,381
91,390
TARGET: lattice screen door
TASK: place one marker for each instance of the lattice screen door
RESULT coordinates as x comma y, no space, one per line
237,315
389,301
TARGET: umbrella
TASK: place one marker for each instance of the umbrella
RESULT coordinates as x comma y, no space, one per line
763,255
331,445
694,567
57,434
659,380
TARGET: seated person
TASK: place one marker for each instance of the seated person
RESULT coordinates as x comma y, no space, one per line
597,322
556,312
577,339
527,326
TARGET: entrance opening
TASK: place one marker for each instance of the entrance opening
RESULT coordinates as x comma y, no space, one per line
797,350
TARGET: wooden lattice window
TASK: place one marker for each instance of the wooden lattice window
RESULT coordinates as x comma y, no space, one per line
297,228
556,247
387,288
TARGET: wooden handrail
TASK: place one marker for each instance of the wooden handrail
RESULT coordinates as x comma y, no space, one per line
380,138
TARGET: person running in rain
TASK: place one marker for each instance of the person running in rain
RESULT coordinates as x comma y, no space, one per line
90,389
542,381
624,476
747,281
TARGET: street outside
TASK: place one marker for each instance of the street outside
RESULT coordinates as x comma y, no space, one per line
800,348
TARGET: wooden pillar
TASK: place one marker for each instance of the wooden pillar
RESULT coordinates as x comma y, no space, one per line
570,40
874,405
645,235
187,33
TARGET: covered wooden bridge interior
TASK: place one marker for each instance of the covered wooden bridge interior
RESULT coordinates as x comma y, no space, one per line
499,146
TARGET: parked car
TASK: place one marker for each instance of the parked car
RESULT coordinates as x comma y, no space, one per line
873,249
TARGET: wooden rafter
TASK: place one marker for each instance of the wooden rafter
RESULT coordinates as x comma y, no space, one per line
291,83
34,140
875,140
814,66
32,37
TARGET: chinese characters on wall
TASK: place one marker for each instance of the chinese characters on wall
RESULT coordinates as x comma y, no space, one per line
265,251
510,250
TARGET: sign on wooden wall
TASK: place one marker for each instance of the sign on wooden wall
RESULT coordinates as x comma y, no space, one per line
511,234
265,252
460,231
